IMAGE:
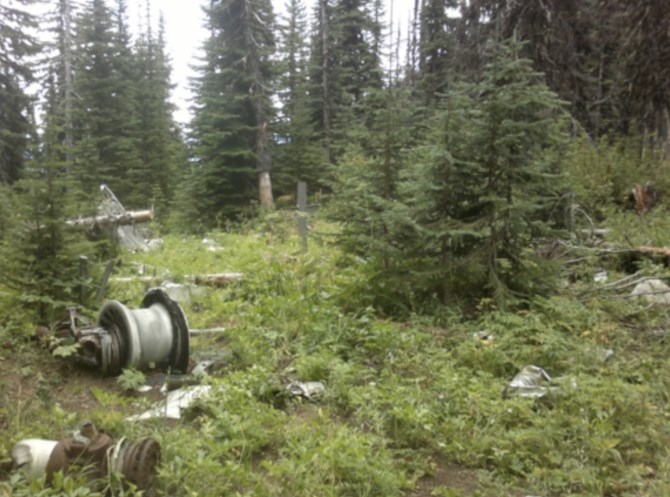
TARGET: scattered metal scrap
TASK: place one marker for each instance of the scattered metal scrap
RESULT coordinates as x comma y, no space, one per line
183,293
175,402
128,235
653,291
531,382
199,371
181,391
483,335
211,245
91,452
306,389
113,218
605,354
156,335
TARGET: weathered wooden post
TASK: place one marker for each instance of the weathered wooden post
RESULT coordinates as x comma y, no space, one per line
302,213
105,279
83,277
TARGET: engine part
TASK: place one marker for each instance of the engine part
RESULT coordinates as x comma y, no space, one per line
32,456
96,457
156,335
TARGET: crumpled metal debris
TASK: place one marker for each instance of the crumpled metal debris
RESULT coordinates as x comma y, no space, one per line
183,292
606,354
199,371
175,402
154,244
211,245
531,382
653,291
483,335
202,368
307,389
128,236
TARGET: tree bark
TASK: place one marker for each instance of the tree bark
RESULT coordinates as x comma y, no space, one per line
129,217
325,80
263,154
265,190
69,85
215,279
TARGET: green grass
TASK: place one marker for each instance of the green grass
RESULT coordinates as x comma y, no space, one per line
400,396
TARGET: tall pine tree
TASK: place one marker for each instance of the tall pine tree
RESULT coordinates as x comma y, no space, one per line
298,154
233,109
345,67
105,117
161,150
17,45
436,47
488,177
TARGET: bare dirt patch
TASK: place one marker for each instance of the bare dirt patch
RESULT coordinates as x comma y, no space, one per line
448,475
31,377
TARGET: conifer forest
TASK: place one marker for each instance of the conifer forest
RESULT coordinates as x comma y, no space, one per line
418,258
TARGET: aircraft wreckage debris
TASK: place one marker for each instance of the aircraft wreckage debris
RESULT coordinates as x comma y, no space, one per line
91,452
156,335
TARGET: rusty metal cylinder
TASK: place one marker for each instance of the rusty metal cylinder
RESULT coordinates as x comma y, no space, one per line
136,462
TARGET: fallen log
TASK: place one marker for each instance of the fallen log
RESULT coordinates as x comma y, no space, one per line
129,217
218,279
140,279
606,248
645,249
204,331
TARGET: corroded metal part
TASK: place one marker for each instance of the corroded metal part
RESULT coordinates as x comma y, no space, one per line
139,466
94,457
156,335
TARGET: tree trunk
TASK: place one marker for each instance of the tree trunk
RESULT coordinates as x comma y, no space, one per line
325,80
69,85
263,154
265,190
129,217
664,133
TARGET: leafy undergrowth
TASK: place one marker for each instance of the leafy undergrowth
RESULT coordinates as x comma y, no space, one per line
405,402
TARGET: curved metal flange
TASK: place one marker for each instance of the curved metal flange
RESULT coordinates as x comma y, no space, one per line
179,354
115,315
140,462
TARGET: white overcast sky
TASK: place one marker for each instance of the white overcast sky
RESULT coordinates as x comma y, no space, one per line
184,21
